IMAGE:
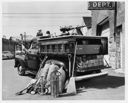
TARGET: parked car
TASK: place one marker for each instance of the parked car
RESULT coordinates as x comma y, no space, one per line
7,55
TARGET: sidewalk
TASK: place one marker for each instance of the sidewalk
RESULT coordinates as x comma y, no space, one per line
117,72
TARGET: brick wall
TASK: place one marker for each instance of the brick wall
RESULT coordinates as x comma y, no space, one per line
121,21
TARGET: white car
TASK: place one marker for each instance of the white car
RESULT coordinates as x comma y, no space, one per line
7,55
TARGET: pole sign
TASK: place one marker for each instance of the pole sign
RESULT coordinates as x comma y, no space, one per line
101,5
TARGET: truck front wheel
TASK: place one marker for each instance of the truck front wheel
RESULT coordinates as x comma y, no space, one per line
20,70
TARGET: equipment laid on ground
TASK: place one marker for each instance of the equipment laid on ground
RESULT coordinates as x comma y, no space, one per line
75,57
33,83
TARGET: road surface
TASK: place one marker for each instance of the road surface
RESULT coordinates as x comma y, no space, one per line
111,87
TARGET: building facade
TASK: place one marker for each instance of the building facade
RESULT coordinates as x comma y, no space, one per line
8,45
111,23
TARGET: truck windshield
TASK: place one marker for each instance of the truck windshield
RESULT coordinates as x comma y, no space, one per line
34,45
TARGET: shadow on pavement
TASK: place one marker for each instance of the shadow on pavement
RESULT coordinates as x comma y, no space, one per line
102,83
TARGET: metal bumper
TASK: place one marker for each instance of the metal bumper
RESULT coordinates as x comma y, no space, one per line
79,78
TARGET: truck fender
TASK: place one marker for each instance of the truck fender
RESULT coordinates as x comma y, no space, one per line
21,62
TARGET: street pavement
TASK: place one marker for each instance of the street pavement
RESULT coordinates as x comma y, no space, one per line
111,87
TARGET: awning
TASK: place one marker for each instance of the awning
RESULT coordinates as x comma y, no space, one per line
87,21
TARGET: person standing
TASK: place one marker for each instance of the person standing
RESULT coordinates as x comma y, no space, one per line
39,33
48,33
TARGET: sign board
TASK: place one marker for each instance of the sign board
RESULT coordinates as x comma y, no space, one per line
101,5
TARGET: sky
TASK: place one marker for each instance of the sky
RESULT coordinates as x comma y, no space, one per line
29,17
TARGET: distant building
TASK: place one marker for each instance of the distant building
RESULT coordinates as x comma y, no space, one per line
111,23
8,45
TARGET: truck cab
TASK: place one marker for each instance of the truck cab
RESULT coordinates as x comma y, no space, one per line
27,60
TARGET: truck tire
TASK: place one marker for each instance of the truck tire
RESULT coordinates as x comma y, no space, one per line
98,71
20,70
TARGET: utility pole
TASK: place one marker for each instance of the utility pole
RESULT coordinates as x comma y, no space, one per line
115,33
115,20
21,37
25,39
21,42
25,36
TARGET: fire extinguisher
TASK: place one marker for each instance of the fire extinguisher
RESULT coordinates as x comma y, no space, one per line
54,83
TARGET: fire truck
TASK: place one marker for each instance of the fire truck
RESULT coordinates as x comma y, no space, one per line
82,57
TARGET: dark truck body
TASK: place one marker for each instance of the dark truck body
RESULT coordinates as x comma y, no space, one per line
89,54
86,45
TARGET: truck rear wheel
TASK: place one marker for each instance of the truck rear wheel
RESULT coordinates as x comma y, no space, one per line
20,70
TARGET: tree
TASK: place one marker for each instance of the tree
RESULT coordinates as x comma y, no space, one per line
4,36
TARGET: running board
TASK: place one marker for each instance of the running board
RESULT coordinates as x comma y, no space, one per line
79,78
